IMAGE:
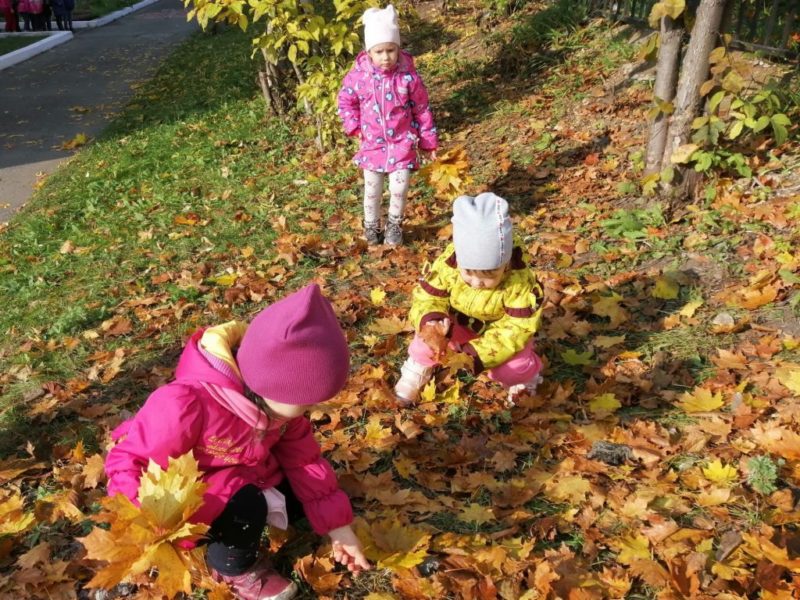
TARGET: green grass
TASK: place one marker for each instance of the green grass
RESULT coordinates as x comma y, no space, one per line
92,9
157,208
9,44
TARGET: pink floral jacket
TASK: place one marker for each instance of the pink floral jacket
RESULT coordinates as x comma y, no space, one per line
390,111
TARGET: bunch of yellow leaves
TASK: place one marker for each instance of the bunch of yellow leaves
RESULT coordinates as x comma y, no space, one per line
147,536
448,174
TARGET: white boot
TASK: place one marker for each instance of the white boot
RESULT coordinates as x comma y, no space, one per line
413,376
528,387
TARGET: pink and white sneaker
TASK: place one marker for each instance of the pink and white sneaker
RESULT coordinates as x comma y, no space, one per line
515,391
261,582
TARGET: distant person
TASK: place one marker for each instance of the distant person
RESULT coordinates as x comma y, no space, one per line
46,17
10,16
7,8
31,12
384,103
62,9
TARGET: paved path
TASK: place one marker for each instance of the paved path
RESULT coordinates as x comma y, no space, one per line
74,88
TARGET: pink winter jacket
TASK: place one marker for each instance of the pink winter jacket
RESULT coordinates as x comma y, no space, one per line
391,110
33,7
184,415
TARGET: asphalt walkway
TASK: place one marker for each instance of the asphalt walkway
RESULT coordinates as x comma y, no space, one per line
75,88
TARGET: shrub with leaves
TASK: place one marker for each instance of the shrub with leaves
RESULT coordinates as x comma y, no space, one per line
740,111
312,43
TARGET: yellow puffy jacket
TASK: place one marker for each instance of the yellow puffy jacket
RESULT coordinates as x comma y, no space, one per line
505,318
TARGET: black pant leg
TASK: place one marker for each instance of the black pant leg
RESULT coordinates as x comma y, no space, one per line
235,535
294,508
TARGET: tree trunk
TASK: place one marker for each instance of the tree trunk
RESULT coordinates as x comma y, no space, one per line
666,79
694,72
301,79
727,17
771,20
788,26
268,80
739,20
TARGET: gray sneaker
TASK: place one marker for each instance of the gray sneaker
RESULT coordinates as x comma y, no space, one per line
372,231
393,236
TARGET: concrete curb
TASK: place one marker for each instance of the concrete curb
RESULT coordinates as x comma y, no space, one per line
100,21
105,20
53,39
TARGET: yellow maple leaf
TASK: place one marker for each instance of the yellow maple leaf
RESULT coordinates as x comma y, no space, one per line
632,548
573,357
608,341
789,376
13,519
718,472
700,400
665,288
428,393
226,280
690,308
376,435
608,306
448,174
389,326
451,395
604,403
378,296
393,544
571,488
475,513
147,536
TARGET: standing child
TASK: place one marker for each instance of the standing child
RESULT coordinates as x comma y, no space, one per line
384,103
483,297
7,8
237,403
63,12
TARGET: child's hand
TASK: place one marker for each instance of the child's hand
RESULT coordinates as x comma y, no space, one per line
430,154
441,326
434,334
347,549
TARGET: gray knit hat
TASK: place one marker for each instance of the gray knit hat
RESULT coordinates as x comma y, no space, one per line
481,231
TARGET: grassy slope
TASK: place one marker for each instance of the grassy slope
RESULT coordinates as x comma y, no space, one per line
15,43
194,208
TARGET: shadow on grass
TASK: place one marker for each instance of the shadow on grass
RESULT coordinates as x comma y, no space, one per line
192,81
79,417
428,35
519,65
518,183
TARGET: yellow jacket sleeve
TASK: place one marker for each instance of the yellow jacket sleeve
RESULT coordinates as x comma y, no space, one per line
430,300
505,337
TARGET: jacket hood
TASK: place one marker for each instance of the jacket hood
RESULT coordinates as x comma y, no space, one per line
405,64
209,356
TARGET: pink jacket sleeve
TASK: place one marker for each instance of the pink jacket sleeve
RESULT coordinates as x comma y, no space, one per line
349,105
168,425
428,138
312,478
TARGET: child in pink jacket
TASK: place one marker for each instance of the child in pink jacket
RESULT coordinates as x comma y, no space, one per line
384,103
237,403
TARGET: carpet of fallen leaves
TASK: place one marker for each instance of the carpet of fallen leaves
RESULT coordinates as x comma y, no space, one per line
671,365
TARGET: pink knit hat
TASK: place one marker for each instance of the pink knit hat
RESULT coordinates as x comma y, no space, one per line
294,351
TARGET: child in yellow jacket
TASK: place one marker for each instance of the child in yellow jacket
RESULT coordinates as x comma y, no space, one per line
480,294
